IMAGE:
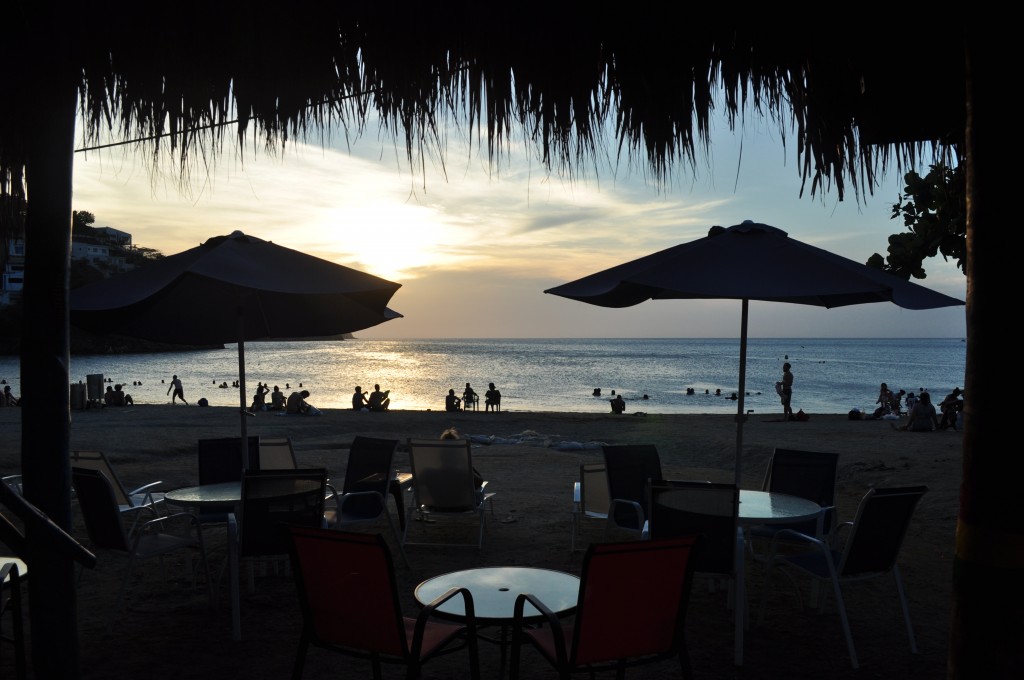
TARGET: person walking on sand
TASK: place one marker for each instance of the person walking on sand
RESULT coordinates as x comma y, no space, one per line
179,391
787,392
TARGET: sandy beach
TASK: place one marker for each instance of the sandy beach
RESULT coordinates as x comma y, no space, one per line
167,629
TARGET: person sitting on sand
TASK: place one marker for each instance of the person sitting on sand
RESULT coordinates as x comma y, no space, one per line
120,398
618,404
884,402
950,407
452,402
297,404
259,400
922,416
378,400
358,399
108,396
277,400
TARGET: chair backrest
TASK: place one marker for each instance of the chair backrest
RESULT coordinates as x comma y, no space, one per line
633,599
220,460
807,474
273,499
628,468
99,509
368,469
276,453
681,508
879,529
442,474
347,590
594,499
96,460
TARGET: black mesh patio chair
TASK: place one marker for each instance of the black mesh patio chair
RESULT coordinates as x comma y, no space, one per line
628,468
866,548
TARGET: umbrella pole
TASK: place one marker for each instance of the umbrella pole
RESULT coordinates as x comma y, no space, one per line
741,414
241,390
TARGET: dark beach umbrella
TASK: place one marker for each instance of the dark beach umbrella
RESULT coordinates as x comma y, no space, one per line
748,261
232,289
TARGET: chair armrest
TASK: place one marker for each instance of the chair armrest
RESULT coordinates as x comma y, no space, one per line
173,517
9,569
428,611
345,497
792,535
146,489
837,537
553,625
637,509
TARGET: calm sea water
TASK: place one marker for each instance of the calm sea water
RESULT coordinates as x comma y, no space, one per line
831,375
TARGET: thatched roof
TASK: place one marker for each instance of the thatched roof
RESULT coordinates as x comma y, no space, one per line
571,79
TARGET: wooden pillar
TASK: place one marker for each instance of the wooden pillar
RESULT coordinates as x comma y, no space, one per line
45,385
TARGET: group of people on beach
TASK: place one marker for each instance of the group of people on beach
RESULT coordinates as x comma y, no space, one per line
492,399
922,414
377,400
923,417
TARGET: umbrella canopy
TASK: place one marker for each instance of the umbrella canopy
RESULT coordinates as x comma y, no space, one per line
748,261
201,295
232,289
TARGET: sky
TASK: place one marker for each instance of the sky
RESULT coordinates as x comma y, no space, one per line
474,246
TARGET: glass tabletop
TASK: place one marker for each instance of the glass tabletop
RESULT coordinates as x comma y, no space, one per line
226,493
495,590
767,507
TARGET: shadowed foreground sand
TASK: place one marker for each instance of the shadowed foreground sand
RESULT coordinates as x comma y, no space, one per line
168,630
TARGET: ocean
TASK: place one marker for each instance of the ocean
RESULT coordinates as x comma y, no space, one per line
831,375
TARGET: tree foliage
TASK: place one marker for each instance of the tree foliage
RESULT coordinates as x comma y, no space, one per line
81,218
934,211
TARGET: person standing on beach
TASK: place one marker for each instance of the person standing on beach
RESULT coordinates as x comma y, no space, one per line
787,392
179,391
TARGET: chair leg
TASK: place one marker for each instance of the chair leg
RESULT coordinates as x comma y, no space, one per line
572,534
124,584
300,658
399,537
906,610
17,626
841,606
